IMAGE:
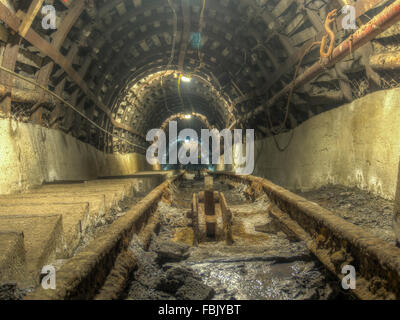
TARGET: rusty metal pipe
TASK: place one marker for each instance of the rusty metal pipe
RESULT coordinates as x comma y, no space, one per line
382,21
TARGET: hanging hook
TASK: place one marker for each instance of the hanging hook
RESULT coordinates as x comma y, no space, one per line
330,18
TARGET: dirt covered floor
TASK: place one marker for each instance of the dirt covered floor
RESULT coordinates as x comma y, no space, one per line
263,263
357,206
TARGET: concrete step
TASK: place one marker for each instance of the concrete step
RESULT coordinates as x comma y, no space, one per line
125,189
49,222
43,240
107,184
140,183
12,257
131,185
110,198
75,219
98,206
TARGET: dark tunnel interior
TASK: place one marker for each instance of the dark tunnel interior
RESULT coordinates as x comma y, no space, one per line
199,150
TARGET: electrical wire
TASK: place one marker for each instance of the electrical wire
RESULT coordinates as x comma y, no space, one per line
69,105
283,124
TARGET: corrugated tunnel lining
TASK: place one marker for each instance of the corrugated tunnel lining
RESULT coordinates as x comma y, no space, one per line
247,49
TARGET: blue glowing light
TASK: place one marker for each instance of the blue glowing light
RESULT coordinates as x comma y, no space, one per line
196,40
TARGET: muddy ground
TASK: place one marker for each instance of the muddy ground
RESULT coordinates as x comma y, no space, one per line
360,207
259,265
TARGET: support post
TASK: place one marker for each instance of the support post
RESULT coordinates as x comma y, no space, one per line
209,206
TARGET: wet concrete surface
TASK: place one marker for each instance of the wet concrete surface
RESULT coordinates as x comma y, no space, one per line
258,266
360,207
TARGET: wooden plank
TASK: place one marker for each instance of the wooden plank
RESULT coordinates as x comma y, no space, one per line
9,60
29,17
3,33
209,206
362,6
303,36
46,48
186,34
73,14
281,7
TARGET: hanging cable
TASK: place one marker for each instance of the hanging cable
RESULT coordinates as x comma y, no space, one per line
283,124
69,105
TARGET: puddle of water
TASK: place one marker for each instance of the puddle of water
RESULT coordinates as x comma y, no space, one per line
264,280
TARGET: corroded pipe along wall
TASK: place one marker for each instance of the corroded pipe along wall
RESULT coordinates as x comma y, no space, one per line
357,144
31,155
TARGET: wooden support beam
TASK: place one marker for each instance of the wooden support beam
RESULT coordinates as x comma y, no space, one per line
186,34
362,6
46,48
10,56
227,219
25,96
385,61
379,23
209,206
91,9
73,14
29,17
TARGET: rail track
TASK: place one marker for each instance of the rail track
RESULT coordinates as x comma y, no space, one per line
176,237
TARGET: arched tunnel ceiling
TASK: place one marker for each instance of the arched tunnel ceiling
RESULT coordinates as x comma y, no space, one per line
147,103
130,54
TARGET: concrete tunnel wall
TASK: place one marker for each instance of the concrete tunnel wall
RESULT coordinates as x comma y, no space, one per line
357,144
31,155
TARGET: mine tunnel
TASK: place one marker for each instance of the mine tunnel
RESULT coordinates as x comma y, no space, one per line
199,149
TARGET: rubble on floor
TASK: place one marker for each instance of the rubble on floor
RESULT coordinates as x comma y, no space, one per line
259,265
357,206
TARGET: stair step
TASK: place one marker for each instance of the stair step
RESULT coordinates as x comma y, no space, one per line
75,219
12,257
98,206
43,240
110,198
125,189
